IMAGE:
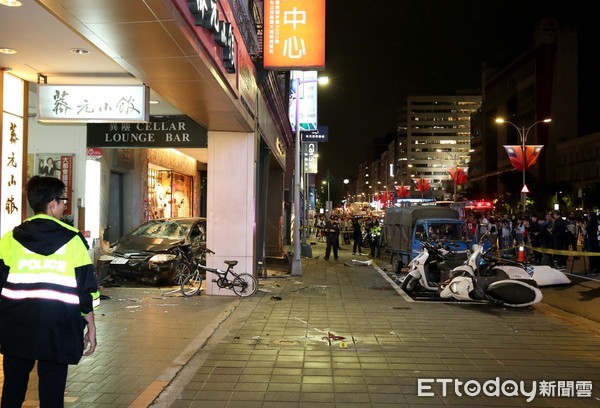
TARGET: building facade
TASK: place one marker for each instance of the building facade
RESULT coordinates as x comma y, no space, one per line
438,138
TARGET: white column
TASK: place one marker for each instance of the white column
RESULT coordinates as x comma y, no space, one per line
230,203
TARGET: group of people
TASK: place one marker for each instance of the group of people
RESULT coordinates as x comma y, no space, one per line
552,231
332,228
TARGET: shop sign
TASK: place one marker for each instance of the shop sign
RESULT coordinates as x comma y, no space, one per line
172,132
206,15
93,103
294,34
306,97
94,153
319,135
12,161
310,153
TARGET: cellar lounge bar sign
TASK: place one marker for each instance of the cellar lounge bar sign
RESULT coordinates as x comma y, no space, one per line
172,132
93,103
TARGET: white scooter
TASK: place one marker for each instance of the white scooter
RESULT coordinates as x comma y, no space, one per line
480,263
493,280
499,289
425,270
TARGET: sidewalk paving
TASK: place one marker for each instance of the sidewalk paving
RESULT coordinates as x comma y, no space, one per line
341,336
337,336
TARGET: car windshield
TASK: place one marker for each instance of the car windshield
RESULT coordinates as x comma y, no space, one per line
163,229
446,231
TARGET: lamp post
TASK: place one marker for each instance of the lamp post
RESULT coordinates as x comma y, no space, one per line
523,132
327,206
455,159
346,182
296,262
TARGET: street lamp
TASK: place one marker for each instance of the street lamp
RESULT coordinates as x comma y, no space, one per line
523,132
296,262
327,205
557,205
346,182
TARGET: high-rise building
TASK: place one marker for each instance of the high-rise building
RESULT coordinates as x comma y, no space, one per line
438,138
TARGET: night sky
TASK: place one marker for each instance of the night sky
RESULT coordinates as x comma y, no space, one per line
380,52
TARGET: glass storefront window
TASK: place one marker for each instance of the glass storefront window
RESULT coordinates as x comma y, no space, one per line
169,194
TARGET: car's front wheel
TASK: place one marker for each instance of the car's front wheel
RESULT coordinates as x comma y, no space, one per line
182,270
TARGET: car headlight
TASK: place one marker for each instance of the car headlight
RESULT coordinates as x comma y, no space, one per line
162,258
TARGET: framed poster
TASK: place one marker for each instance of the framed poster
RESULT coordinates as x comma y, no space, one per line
58,165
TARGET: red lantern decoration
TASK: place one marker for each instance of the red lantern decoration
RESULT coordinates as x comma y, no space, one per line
422,185
402,191
458,175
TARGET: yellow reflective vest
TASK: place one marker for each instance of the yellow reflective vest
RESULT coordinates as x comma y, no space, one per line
47,282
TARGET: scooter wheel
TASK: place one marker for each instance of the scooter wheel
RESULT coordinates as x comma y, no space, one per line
410,284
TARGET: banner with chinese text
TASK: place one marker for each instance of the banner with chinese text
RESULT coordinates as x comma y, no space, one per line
294,34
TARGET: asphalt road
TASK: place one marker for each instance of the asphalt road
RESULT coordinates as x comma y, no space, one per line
581,298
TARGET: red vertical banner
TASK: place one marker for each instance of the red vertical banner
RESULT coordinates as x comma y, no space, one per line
66,175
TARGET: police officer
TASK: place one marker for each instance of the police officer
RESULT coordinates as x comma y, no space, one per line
375,238
332,231
48,290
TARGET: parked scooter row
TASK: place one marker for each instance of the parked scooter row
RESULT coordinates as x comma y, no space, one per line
481,277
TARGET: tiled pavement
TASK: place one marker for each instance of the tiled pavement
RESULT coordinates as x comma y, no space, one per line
338,336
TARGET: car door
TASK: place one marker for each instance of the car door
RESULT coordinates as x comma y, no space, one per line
198,237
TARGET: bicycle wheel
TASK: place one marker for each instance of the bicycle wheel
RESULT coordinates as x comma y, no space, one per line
181,270
244,285
191,285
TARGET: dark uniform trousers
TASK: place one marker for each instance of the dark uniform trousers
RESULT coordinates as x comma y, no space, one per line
52,382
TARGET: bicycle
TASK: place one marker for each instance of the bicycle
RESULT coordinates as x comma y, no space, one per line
242,284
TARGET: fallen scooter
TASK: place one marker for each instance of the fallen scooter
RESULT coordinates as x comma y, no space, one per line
499,289
491,279
482,263
425,270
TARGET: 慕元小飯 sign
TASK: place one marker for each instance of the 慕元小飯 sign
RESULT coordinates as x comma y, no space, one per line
294,34
93,103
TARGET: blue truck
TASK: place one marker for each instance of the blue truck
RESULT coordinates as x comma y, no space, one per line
405,228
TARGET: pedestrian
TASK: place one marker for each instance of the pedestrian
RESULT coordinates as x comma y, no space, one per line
559,239
346,229
471,228
367,237
592,244
493,229
533,232
506,237
483,225
48,289
320,225
546,238
375,239
332,233
357,235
